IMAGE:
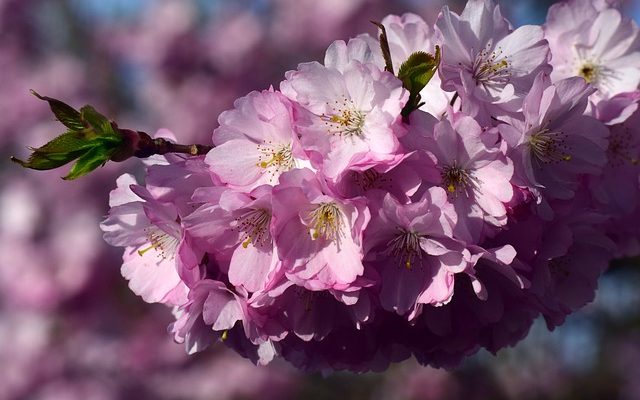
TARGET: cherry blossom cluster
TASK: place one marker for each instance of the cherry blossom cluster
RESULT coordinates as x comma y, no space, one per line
336,227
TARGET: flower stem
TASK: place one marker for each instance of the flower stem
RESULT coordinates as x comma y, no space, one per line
147,147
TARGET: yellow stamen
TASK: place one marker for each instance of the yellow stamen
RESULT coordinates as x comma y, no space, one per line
326,221
141,252
405,246
345,120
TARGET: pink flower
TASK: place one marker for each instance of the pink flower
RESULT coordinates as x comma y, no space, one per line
255,142
310,315
406,35
353,115
411,247
211,310
574,253
475,174
487,62
402,180
242,224
556,143
318,235
617,189
594,42
152,238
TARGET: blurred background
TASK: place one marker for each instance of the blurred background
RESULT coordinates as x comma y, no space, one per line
69,326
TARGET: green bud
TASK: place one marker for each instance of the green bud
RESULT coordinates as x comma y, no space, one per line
91,139
415,73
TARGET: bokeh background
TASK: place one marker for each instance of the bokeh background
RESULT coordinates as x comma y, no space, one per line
70,328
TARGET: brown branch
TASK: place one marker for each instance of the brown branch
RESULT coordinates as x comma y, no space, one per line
147,147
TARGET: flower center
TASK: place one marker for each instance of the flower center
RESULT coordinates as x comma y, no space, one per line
278,158
254,226
405,246
620,148
309,298
326,221
166,245
589,71
345,119
491,67
369,179
457,180
549,147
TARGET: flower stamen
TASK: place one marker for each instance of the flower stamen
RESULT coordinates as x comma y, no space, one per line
491,68
254,227
325,221
457,180
277,158
159,240
548,146
345,119
405,246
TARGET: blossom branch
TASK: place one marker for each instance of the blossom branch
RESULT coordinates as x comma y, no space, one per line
149,146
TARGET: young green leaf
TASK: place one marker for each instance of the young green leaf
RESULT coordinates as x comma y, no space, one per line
66,114
59,151
98,124
415,73
418,70
94,158
91,139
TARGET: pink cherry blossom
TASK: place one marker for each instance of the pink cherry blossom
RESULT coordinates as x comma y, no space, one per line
490,65
475,173
152,239
590,40
241,223
318,236
412,249
256,142
556,143
337,229
354,115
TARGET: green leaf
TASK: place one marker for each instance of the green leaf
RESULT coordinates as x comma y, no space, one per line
101,125
384,47
61,150
94,158
415,73
418,70
66,114
91,139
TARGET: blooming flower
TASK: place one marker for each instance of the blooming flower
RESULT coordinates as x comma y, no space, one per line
475,173
594,42
354,115
256,141
243,224
412,249
556,143
318,236
338,229
487,62
406,34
